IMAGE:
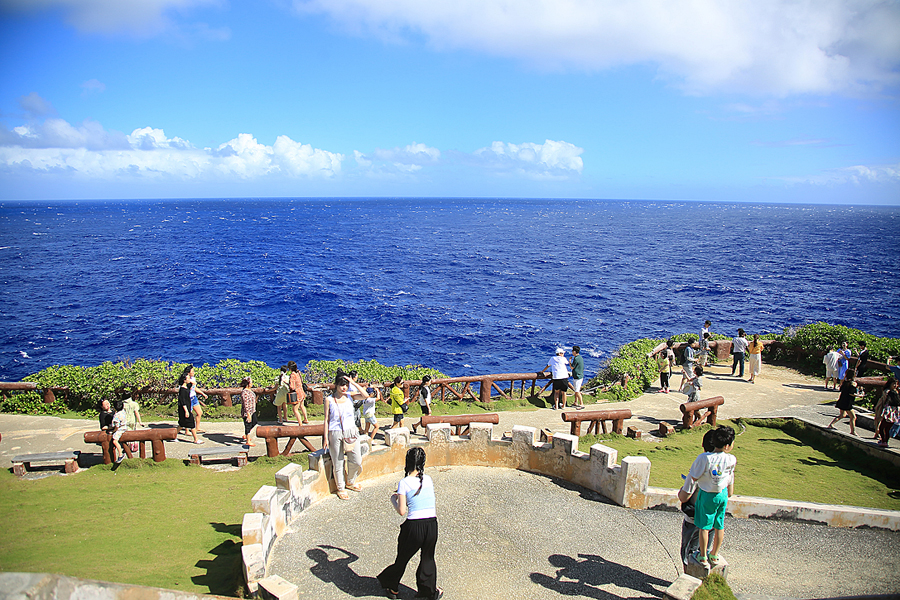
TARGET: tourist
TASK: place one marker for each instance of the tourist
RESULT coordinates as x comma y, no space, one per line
662,361
185,414
342,438
373,395
414,499
282,389
703,355
862,360
106,415
843,361
690,535
399,405
297,397
424,398
888,412
713,473
705,329
879,406
690,361
248,409
694,384
895,370
559,374
738,348
196,404
670,355
830,360
132,414
849,391
754,350
577,375
118,427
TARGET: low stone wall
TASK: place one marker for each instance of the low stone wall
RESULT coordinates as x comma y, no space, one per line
626,484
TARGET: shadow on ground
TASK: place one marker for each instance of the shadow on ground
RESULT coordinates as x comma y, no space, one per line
224,573
338,572
583,578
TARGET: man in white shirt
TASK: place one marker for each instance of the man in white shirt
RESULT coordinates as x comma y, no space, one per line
559,373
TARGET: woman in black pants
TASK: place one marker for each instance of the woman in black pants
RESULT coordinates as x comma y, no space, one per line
414,499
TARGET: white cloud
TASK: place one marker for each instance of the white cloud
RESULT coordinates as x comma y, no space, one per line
143,18
89,151
550,160
407,160
774,47
857,174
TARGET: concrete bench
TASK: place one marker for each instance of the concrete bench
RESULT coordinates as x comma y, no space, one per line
461,422
597,420
155,436
68,458
691,411
272,433
240,452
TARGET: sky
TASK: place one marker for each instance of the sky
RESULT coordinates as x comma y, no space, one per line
711,100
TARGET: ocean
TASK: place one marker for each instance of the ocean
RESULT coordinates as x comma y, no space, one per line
467,286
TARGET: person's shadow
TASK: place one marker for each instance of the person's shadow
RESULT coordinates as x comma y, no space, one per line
338,572
584,578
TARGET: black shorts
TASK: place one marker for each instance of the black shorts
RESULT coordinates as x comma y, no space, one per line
398,417
560,384
426,410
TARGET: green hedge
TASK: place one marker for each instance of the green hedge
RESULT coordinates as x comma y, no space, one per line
809,343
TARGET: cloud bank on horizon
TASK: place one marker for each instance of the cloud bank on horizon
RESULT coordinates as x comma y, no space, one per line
765,62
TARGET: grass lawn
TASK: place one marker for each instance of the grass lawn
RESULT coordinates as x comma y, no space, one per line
788,461
158,524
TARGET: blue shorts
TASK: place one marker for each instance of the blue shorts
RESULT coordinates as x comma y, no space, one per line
710,508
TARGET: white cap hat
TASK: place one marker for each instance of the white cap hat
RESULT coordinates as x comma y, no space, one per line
560,351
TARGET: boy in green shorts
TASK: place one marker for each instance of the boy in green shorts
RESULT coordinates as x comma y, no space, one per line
713,473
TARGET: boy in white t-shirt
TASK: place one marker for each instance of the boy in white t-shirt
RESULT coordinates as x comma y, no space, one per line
713,473
373,395
119,426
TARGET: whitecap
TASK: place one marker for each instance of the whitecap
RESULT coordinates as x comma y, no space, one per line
23,354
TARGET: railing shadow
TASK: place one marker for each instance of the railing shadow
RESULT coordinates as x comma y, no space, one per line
224,573
583,578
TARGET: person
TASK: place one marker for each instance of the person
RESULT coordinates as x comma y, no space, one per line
849,391
577,376
670,354
888,412
342,439
843,361
713,473
830,360
373,395
559,374
415,500
424,397
662,361
690,535
879,406
282,389
754,350
196,404
248,409
738,348
132,417
185,414
398,402
297,397
690,361
693,385
703,355
894,369
705,329
106,415
118,427
862,361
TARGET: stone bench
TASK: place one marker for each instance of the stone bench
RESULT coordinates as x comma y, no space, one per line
461,422
68,458
272,433
155,436
597,419
242,453
691,411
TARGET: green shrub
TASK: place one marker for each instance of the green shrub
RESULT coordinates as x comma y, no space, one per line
30,403
324,371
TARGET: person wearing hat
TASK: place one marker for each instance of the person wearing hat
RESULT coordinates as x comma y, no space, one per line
559,373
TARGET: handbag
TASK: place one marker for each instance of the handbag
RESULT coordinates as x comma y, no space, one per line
349,435
292,398
405,406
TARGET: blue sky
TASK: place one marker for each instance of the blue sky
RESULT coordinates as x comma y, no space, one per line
773,100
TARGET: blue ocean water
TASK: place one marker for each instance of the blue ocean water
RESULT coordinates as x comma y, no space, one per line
466,286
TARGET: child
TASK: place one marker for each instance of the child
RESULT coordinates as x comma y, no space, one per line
662,361
693,385
118,427
368,410
690,535
713,473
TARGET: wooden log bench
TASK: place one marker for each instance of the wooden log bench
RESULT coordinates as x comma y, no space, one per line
461,422
597,419
272,433
240,452
691,411
68,458
155,436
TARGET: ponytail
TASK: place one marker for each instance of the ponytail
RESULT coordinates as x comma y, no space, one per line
415,461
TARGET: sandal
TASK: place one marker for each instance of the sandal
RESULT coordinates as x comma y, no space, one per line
354,488
343,495
700,560
713,559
